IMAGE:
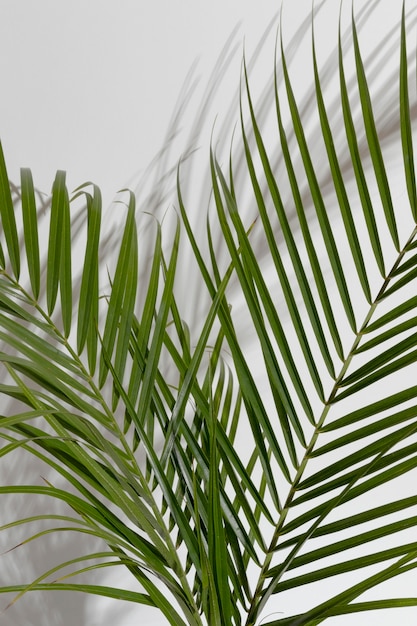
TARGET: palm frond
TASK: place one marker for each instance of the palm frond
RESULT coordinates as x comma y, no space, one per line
221,472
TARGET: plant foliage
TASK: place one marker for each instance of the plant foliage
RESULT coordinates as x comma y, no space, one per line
219,476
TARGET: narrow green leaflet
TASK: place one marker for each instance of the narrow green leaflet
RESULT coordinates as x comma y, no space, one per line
217,550
355,154
410,263
99,590
65,278
88,304
405,119
392,315
401,282
58,236
387,356
120,300
373,141
30,230
8,220
129,301
379,374
388,334
140,339
373,409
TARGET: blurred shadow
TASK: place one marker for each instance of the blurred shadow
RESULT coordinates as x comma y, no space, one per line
156,192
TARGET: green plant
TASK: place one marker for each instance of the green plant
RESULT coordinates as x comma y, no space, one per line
214,474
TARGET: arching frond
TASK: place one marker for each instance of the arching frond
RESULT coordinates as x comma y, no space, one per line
270,447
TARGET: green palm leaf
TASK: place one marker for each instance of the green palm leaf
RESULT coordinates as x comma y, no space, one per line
227,463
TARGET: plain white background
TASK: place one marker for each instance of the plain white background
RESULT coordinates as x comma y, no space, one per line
89,87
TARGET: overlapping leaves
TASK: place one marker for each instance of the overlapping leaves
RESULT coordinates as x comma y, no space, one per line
191,461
